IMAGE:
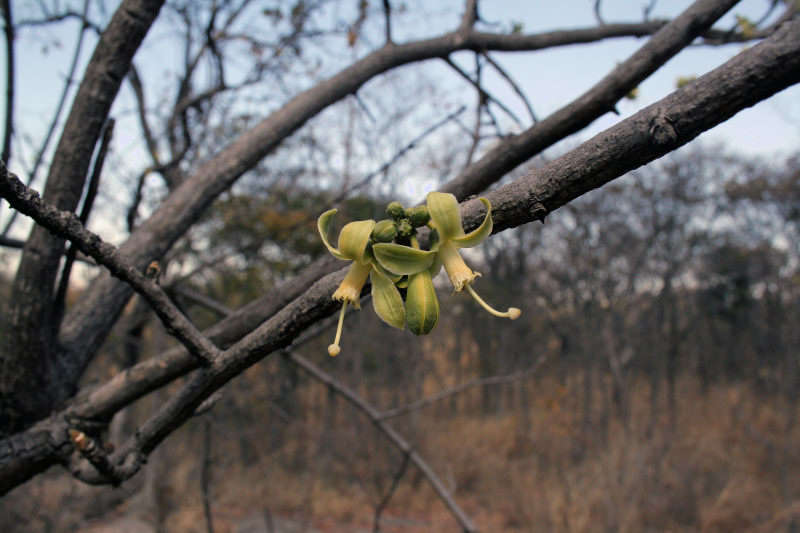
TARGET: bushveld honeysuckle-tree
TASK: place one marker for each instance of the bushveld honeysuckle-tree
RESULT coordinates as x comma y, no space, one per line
389,253
354,245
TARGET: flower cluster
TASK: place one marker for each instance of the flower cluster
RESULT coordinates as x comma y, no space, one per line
388,253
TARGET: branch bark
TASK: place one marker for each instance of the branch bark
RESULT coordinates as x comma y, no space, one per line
84,328
753,75
32,378
490,168
397,440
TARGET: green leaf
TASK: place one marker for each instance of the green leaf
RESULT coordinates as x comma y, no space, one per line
386,300
422,306
323,225
446,215
477,236
354,237
402,260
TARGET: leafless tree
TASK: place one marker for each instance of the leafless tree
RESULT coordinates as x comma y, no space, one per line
45,419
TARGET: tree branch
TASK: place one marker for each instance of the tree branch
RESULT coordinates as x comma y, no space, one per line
83,330
751,76
29,349
513,85
595,102
68,81
477,382
67,225
484,94
8,30
397,440
746,79
149,375
88,203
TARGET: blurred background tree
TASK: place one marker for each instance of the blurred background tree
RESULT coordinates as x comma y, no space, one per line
651,383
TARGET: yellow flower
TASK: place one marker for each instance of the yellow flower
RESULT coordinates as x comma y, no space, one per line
354,246
446,220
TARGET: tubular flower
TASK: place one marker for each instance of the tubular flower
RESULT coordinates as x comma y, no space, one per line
422,306
446,220
354,246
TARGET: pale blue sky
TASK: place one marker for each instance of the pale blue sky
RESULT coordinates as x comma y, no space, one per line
551,78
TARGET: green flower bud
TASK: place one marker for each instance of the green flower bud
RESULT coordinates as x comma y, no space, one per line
418,216
384,231
405,229
395,210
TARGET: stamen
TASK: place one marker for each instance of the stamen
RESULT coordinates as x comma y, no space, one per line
513,313
334,349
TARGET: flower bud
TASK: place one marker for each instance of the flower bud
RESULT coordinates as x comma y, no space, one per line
395,210
404,228
384,231
418,216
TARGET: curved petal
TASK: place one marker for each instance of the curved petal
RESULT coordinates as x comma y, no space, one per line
386,300
445,214
422,306
354,237
403,260
323,225
394,277
478,235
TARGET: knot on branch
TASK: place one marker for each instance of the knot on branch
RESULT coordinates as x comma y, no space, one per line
662,129
537,209
97,454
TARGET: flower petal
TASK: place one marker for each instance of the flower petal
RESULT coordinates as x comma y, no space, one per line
445,214
386,300
323,225
422,306
478,235
402,260
354,237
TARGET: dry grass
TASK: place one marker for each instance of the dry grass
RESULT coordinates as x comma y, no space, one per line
730,463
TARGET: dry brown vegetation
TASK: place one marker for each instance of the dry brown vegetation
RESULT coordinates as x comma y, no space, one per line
730,463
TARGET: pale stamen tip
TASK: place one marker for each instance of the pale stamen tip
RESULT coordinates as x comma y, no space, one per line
333,350
513,313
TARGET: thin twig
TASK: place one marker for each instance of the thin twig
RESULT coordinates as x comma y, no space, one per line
404,446
597,14
470,16
67,225
387,15
62,99
8,21
205,475
376,527
483,92
477,382
8,242
88,203
513,85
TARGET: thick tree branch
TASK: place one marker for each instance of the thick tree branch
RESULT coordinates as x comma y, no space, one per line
29,350
178,364
86,209
753,75
152,374
750,77
84,329
51,129
68,225
595,102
